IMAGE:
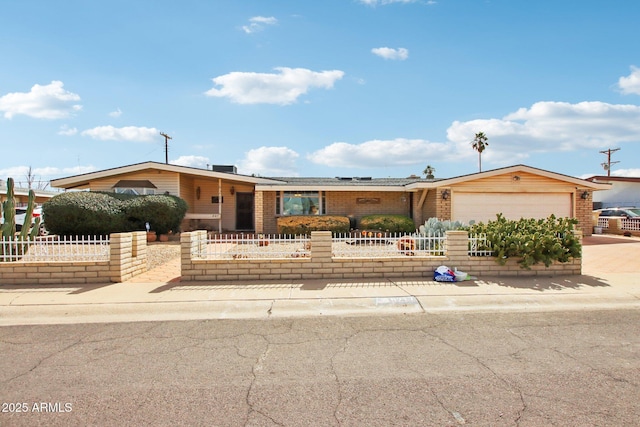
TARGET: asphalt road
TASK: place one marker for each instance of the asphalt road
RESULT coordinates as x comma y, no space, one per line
577,368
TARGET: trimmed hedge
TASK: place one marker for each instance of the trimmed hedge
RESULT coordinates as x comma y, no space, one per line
83,213
98,213
164,213
388,223
305,224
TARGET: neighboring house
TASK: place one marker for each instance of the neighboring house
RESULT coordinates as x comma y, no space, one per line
222,200
21,195
624,192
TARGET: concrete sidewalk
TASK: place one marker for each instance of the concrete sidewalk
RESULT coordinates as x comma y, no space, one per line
611,280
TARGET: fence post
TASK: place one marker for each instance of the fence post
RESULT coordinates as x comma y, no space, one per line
458,247
120,254
190,243
615,226
139,247
321,246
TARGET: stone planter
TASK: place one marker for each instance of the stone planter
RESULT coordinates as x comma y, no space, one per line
151,236
163,238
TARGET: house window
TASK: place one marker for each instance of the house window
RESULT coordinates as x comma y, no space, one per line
136,187
300,203
135,191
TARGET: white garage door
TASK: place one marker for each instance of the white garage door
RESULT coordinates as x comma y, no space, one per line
484,206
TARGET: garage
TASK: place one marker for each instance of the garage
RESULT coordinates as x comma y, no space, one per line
484,206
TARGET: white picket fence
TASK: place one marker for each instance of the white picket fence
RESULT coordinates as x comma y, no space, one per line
235,246
625,224
362,245
387,245
58,248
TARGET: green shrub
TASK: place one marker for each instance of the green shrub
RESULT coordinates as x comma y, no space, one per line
97,213
388,223
164,213
531,240
83,213
305,224
434,226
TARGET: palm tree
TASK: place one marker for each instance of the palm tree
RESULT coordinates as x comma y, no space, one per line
428,171
479,144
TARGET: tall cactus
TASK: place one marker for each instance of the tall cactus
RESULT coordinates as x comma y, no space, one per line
9,212
26,230
10,246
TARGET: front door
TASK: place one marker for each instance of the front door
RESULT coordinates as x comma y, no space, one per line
244,211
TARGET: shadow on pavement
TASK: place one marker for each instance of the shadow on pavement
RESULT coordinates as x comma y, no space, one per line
541,283
70,289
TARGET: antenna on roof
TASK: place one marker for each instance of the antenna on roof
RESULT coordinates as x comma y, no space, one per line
166,147
607,165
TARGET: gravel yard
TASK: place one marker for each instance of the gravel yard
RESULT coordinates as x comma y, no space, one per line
159,253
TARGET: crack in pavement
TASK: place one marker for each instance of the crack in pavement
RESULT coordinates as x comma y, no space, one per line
334,372
477,359
594,369
255,369
41,361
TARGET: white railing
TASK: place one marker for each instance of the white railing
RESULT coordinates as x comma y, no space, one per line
625,223
631,224
58,248
385,245
479,245
255,247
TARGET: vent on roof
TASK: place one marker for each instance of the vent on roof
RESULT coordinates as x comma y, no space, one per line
344,178
362,178
224,168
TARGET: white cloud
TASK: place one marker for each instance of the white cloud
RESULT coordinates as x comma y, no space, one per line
19,173
42,102
127,133
115,114
192,161
626,172
379,153
280,88
269,161
257,23
631,83
67,131
545,127
389,53
550,127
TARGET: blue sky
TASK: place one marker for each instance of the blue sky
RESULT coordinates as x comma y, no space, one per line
377,88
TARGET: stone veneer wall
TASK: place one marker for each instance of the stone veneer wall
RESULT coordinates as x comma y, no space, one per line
127,258
321,264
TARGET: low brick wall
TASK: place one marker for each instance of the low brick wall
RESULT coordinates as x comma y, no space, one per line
615,227
127,258
322,265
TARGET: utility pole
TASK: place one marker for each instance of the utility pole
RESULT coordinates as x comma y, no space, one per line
607,165
166,147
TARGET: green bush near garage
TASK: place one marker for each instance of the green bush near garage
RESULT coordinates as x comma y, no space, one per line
529,240
305,224
102,213
387,223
